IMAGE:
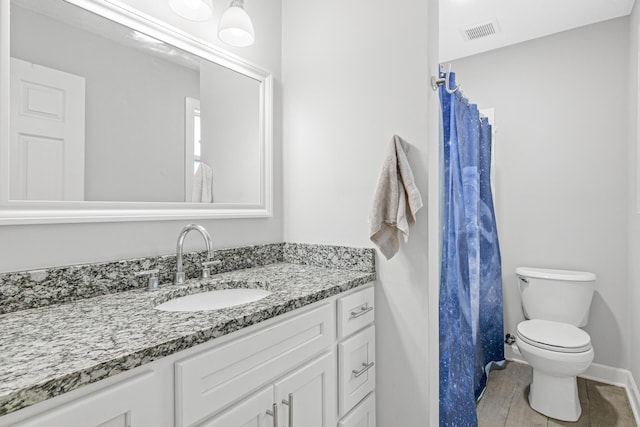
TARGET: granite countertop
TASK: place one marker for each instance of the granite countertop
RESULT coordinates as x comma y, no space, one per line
47,351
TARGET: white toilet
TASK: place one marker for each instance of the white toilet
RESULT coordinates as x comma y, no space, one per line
556,302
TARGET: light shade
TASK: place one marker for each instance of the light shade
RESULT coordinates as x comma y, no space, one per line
195,10
235,27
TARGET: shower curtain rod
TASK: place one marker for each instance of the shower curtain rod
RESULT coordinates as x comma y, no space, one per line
437,82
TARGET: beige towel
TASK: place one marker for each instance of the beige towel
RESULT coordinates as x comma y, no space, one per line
202,190
396,201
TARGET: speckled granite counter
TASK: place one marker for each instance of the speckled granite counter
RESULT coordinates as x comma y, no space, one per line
47,351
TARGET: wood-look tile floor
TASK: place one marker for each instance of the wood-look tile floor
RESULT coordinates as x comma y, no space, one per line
505,402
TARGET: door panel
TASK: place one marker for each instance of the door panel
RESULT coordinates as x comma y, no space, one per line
47,133
357,373
312,389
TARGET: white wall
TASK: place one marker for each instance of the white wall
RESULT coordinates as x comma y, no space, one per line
25,247
354,74
561,199
634,196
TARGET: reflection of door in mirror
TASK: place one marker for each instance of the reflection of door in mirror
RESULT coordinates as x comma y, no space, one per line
47,133
198,184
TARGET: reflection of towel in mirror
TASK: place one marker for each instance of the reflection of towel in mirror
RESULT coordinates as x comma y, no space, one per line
396,201
202,190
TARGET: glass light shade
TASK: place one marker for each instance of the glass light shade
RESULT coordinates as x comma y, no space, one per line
235,27
195,10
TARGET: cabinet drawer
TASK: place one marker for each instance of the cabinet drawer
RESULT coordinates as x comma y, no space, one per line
209,381
363,415
355,311
356,370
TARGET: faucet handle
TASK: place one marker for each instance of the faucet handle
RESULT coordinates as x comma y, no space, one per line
153,278
206,272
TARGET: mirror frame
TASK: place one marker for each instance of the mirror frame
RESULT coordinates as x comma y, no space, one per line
52,212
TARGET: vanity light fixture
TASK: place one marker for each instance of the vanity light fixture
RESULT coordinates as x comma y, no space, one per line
235,27
195,10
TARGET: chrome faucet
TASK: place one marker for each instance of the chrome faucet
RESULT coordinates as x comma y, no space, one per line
179,277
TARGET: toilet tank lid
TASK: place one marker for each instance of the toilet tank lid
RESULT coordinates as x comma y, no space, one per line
547,273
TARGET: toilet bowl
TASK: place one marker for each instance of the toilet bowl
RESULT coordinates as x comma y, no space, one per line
557,352
557,303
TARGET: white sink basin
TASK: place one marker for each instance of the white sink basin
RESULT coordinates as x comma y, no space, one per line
214,300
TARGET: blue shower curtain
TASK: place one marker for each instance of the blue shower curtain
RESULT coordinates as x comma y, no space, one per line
471,327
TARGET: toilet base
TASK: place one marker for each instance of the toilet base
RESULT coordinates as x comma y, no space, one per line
555,397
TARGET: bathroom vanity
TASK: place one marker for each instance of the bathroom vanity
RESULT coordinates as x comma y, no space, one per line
302,356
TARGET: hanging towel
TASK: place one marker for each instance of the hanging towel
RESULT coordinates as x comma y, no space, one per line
202,190
396,201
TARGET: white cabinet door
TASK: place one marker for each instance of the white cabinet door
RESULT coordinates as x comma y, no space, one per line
307,396
130,403
250,412
357,373
363,415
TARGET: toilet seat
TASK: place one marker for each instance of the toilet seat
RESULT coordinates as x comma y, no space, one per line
554,336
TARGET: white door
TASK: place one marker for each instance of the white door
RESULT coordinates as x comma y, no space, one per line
307,396
250,412
47,133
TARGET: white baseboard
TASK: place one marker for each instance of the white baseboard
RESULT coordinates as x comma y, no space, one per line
634,397
620,377
607,374
596,372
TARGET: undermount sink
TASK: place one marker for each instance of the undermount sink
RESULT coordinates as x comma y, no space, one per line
214,300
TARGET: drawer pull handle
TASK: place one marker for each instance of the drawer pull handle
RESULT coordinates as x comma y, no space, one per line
289,403
366,367
274,413
363,310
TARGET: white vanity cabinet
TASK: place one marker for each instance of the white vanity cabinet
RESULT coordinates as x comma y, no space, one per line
218,377
334,389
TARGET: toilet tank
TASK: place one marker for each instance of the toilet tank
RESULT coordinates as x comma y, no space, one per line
558,295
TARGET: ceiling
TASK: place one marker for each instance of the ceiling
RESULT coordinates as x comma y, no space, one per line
516,21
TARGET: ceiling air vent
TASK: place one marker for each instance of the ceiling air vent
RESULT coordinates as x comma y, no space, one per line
478,31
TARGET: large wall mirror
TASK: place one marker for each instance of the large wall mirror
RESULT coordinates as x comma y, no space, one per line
112,115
